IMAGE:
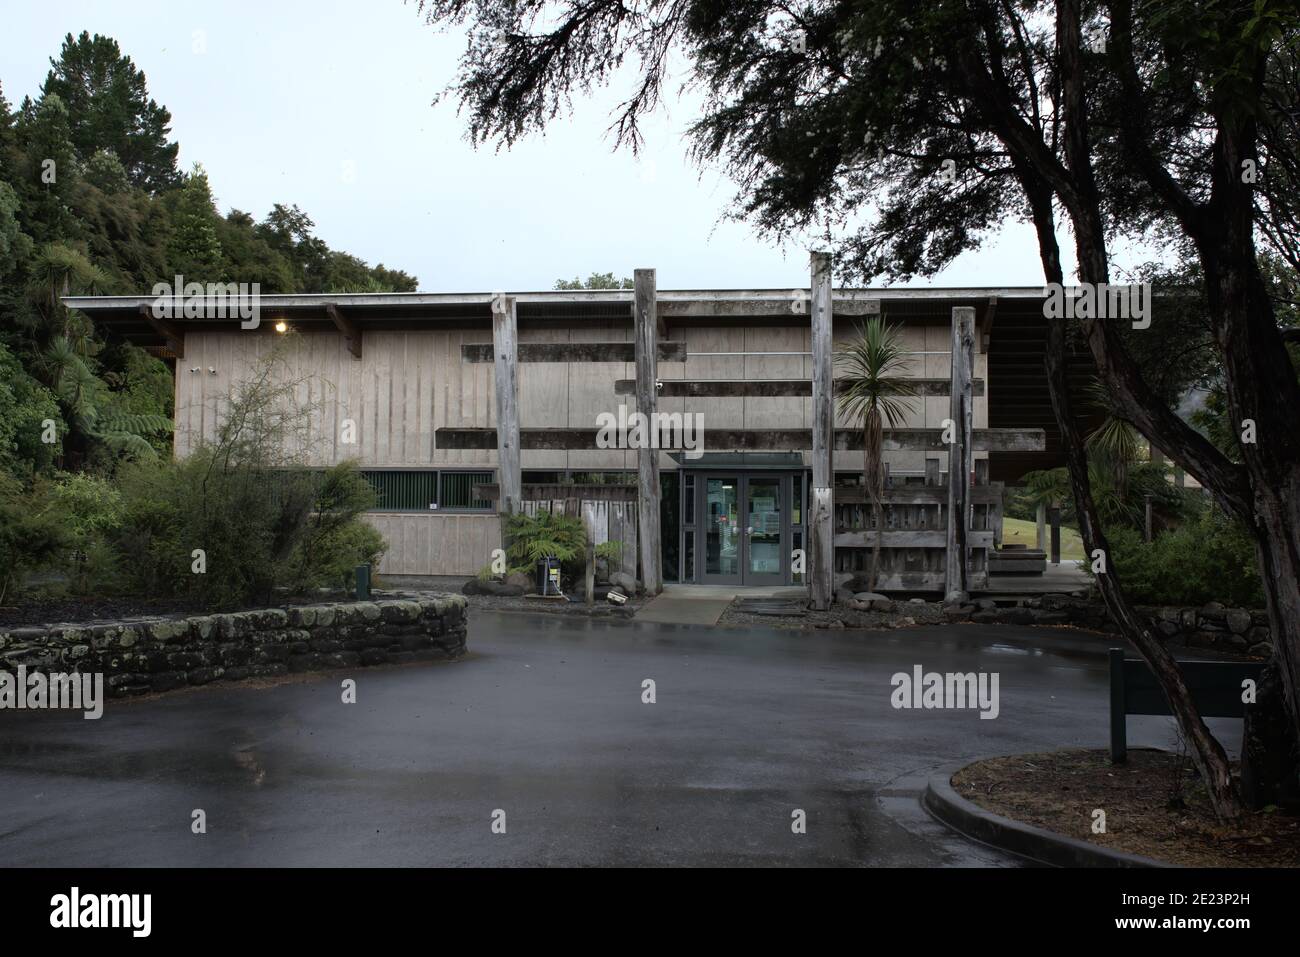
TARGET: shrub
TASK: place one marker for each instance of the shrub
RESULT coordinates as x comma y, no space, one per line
91,509
264,521
32,535
1208,558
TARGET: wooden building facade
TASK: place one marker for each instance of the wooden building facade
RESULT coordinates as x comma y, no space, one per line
461,405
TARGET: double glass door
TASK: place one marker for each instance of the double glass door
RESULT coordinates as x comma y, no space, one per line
745,533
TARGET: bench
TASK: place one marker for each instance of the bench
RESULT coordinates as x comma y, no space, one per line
1216,688
1017,560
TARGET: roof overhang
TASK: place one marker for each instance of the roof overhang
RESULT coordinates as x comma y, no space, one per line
128,316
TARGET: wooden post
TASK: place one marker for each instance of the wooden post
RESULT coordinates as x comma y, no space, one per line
1054,519
1118,708
1042,525
647,459
1148,531
504,340
821,531
589,576
956,566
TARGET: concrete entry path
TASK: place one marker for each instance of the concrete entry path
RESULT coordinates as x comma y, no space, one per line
704,604
545,721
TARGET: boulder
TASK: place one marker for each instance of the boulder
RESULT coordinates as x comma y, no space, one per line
1238,621
519,579
874,601
625,583
844,595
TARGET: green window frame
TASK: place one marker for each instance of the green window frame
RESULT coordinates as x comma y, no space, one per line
455,490
426,490
403,490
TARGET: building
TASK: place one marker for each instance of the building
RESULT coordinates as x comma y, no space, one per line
407,383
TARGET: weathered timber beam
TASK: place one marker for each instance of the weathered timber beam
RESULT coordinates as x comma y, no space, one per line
755,440
554,492
346,327
821,541
909,538
798,304
919,495
574,352
958,533
764,388
645,327
505,333
167,329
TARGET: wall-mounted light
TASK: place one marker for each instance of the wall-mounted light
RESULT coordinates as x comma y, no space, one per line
281,327
212,370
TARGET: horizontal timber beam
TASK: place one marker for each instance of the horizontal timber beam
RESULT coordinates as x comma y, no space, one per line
553,492
909,538
795,305
752,440
762,388
573,352
919,495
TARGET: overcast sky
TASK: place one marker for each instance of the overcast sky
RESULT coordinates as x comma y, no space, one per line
328,105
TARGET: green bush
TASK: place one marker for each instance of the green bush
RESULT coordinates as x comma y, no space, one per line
33,535
260,532
243,517
1208,558
90,506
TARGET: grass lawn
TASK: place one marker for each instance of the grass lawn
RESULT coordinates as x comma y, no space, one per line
1016,531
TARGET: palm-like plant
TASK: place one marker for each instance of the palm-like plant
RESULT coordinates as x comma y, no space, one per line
1116,441
872,391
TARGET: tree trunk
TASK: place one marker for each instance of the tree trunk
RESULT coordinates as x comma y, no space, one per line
871,477
1210,758
1270,765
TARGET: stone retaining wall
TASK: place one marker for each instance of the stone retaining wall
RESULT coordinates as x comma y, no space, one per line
1236,630
157,654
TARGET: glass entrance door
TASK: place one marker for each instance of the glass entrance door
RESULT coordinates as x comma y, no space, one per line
744,537
765,525
722,537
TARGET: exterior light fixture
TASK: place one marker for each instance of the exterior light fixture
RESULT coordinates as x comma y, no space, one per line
281,327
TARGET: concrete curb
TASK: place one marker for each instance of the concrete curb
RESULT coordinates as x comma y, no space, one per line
948,807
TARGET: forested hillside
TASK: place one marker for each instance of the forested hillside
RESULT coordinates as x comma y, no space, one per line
92,202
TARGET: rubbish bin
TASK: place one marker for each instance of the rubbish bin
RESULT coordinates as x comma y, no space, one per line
548,570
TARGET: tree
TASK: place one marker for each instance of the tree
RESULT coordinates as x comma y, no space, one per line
108,101
193,250
872,392
919,130
597,280
46,169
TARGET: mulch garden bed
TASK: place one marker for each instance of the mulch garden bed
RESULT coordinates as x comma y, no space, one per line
44,611
553,606
906,614
1155,806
